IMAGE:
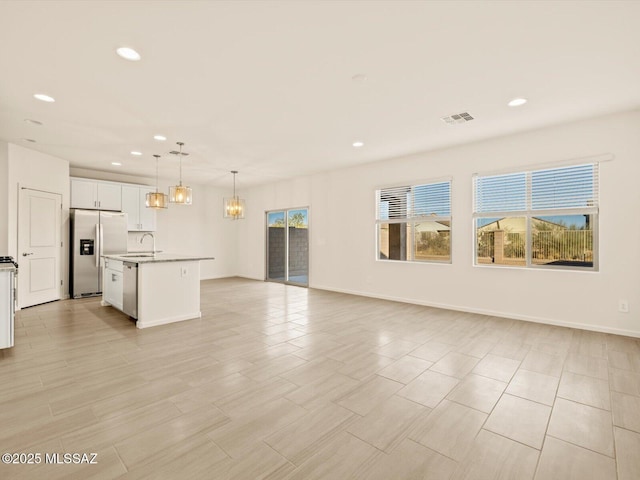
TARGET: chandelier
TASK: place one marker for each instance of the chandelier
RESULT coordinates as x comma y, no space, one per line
180,194
156,199
234,206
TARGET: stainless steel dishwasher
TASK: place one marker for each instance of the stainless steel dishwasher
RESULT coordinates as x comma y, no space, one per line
130,289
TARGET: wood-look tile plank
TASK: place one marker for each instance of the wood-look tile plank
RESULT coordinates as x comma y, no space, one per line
475,391
583,389
369,395
397,348
587,365
449,429
365,365
388,424
627,453
432,351
542,362
324,390
109,431
497,367
624,381
409,461
429,388
405,369
494,456
240,436
582,425
563,461
309,372
519,419
455,364
193,457
139,449
302,438
250,398
534,386
267,369
47,429
626,411
341,458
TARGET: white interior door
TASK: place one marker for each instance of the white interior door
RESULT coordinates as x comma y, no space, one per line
39,249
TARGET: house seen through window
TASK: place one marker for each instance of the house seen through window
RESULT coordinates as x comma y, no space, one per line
538,218
413,222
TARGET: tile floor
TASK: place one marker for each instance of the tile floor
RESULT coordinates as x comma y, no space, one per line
282,382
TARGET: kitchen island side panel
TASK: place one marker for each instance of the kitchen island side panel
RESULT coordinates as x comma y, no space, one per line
168,292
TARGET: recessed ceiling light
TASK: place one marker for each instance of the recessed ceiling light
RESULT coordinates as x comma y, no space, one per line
136,153
358,144
30,140
516,102
160,138
32,122
117,164
128,54
44,98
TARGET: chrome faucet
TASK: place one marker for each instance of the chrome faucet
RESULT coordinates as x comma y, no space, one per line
152,237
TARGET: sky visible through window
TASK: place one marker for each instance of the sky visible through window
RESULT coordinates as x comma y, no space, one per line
276,219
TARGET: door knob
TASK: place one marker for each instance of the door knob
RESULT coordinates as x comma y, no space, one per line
26,254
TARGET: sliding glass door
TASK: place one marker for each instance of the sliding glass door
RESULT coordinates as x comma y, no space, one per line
288,246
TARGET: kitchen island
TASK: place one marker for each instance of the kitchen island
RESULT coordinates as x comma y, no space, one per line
154,289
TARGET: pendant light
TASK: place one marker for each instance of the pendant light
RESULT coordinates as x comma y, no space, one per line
156,199
234,206
180,194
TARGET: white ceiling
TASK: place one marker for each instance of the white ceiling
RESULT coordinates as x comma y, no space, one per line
266,87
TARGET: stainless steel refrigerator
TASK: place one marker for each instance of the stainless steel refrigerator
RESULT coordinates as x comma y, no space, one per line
93,233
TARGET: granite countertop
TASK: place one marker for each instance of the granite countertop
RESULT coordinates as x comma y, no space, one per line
7,267
139,257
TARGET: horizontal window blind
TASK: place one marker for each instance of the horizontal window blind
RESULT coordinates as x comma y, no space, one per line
417,201
394,202
574,187
501,193
432,200
569,187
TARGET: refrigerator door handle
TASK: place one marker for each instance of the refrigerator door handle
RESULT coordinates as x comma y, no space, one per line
98,245
101,242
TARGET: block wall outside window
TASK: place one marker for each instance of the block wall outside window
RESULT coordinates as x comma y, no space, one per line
413,222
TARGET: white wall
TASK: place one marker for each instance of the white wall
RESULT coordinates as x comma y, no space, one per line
198,229
4,198
32,169
342,231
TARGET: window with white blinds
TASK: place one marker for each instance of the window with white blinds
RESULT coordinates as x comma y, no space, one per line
413,222
545,217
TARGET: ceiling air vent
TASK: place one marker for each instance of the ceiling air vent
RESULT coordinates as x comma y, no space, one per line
457,118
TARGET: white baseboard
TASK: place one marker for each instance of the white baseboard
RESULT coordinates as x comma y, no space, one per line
493,313
164,321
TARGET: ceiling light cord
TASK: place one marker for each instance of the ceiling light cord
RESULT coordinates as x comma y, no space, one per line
234,183
181,144
157,157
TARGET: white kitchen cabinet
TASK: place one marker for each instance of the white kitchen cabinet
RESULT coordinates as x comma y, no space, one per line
95,195
139,217
109,196
112,283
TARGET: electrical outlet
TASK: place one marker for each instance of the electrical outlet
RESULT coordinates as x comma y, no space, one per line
184,271
623,306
